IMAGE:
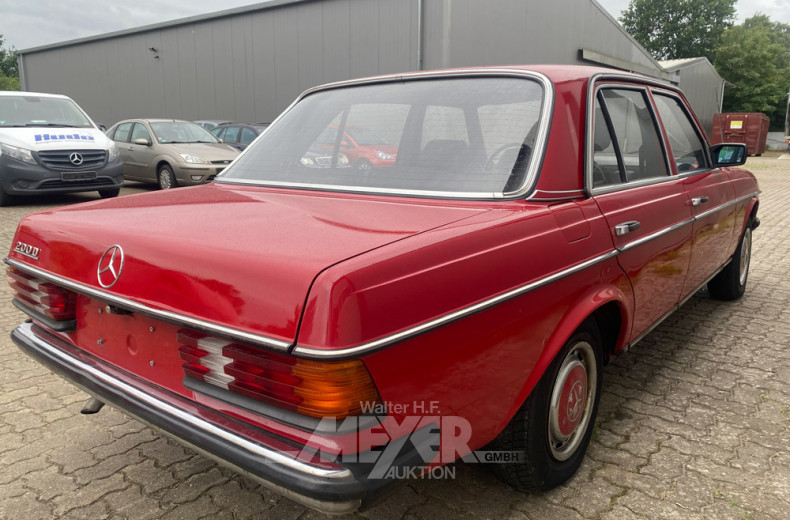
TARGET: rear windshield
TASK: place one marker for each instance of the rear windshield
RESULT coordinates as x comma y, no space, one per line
39,111
470,136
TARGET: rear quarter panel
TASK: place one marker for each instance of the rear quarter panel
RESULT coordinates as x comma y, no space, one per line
481,366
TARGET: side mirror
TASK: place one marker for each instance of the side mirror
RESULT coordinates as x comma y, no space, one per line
729,154
143,142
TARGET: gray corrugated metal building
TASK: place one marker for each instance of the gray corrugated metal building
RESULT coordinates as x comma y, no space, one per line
248,64
701,83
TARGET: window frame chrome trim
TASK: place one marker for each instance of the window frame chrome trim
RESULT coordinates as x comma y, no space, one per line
530,179
167,316
632,82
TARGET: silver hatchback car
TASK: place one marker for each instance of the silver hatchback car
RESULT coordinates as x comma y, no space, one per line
169,152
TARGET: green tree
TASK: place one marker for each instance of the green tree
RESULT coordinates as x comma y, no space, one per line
755,58
673,29
9,68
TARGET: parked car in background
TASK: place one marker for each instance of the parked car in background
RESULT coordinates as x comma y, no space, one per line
331,331
238,135
49,145
210,124
364,148
169,152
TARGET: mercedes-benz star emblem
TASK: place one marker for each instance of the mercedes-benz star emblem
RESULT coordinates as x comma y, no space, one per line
76,158
110,266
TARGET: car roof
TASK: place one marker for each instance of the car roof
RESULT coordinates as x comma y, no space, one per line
23,93
554,73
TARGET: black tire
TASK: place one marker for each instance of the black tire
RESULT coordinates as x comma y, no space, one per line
554,438
166,177
109,193
730,283
363,165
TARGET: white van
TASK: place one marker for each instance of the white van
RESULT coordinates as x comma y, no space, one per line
48,145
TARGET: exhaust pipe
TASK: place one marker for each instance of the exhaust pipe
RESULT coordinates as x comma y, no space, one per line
92,406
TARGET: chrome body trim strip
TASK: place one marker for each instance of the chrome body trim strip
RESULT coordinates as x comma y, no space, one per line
25,330
438,322
171,317
657,234
461,313
373,345
726,205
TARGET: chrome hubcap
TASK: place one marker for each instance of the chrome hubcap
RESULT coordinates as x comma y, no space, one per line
164,180
570,408
746,253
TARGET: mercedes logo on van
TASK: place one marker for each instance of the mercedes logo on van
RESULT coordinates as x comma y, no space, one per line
76,158
110,266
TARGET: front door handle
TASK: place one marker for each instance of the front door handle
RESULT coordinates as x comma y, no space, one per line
696,201
626,227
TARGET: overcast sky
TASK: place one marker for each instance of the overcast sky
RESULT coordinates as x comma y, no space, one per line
31,23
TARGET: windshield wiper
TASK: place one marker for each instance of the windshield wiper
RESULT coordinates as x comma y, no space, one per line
52,125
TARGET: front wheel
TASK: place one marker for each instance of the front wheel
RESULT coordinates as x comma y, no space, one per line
166,177
552,428
730,283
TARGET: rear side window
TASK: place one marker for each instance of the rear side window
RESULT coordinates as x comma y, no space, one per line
626,143
122,132
247,135
231,135
688,148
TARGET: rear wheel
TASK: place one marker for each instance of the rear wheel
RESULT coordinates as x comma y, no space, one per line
109,193
553,427
730,283
166,177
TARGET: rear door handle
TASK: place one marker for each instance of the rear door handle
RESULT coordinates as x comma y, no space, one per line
626,227
696,201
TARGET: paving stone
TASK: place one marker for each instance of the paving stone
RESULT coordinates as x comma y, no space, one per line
200,508
151,477
88,494
49,483
193,487
25,506
131,503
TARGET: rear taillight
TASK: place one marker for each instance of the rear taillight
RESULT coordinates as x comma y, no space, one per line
44,297
314,388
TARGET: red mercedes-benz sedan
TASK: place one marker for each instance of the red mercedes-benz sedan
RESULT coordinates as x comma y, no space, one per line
331,331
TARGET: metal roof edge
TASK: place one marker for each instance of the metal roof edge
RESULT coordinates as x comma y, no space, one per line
627,35
259,6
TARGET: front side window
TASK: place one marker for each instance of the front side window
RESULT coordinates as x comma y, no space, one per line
122,132
471,137
688,148
626,144
140,132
